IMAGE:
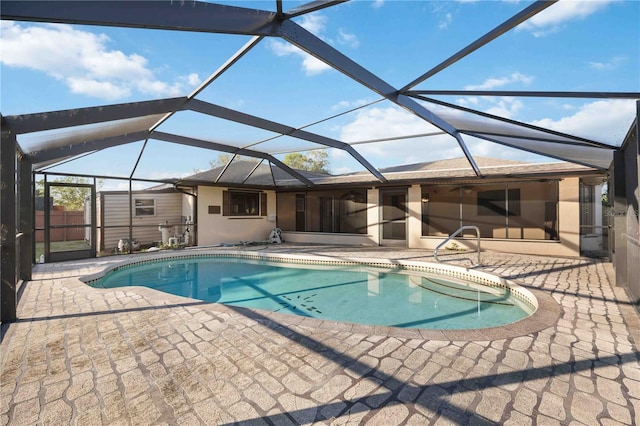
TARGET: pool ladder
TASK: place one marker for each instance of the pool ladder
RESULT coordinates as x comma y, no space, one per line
462,228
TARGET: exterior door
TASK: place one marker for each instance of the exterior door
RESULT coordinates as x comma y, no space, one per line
326,214
594,230
394,217
69,221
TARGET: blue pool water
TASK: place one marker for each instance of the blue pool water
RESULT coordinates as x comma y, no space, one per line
357,294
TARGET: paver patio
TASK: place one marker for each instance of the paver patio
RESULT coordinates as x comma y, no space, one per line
79,355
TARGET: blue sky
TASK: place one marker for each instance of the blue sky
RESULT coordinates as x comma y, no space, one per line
571,46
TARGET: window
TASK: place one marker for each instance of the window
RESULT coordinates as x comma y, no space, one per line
324,211
145,207
513,210
241,203
496,202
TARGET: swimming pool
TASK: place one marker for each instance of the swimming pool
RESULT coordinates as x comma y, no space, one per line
337,291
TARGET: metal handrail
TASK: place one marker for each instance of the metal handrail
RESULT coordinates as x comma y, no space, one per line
462,228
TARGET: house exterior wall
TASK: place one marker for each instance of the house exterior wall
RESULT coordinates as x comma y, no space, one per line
113,210
525,231
214,228
569,216
373,216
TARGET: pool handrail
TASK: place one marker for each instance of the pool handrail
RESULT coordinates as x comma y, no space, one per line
462,228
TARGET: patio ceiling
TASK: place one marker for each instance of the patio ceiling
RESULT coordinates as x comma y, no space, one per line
50,138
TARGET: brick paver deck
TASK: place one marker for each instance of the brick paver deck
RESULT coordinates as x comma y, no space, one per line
79,355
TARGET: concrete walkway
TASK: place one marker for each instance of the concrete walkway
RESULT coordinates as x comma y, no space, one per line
79,355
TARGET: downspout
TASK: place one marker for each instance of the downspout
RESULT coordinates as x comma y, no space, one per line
195,211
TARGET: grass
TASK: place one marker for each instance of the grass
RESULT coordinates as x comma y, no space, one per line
62,246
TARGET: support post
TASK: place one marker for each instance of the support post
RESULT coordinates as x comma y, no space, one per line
130,249
619,206
8,278
25,217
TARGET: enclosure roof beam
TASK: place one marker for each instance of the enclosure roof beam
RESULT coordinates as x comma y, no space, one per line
532,94
251,120
45,155
311,7
324,52
514,122
422,112
38,122
300,37
190,15
199,143
512,22
217,73
537,151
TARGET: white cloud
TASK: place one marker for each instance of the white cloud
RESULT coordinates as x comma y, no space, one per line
445,21
552,19
609,65
469,100
605,121
98,89
377,4
348,39
344,105
492,83
501,106
313,65
379,123
341,105
316,24
192,79
505,107
310,64
84,62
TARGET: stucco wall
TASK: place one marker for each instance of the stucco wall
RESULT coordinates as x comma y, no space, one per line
569,215
373,215
219,229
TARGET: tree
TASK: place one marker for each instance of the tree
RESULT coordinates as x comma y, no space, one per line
315,161
223,160
71,197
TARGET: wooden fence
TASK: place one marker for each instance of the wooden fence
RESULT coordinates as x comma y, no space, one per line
62,217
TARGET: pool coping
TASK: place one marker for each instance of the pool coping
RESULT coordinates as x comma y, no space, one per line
546,314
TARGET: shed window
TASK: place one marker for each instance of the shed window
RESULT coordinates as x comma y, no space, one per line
145,207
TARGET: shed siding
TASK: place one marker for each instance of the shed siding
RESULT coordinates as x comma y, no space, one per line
168,208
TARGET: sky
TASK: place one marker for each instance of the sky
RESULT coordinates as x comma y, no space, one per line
571,46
